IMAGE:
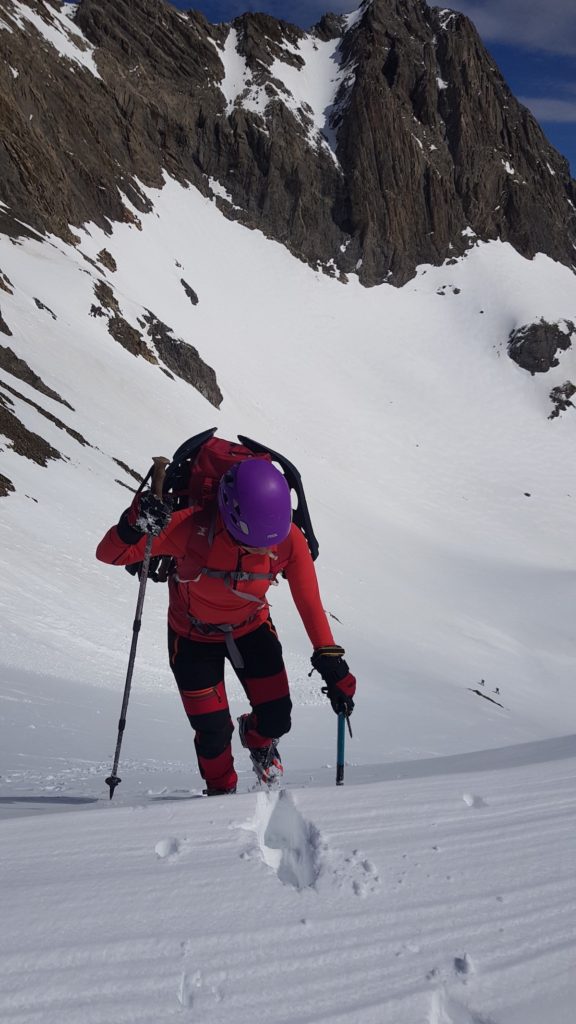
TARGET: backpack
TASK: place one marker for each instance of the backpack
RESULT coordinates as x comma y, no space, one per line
193,476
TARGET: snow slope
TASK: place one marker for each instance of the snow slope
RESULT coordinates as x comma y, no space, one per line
439,490
443,498
436,900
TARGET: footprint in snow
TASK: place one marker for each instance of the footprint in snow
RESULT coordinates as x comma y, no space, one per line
463,966
200,990
358,872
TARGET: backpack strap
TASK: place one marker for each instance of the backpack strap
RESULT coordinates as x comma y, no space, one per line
229,577
227,631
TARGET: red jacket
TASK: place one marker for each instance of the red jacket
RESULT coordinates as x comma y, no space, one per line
215,601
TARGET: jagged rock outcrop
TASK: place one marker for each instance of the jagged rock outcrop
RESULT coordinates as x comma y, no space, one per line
22,440
534,347
19,368
6,486
183,359
422,148
561,398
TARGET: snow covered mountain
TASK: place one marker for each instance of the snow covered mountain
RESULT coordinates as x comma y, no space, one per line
371,144
138,306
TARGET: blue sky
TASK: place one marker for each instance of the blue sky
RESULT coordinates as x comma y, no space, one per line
533,42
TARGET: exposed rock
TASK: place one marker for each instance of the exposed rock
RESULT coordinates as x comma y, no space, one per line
560,397
129,338
429,140
106,258
12,363
47,415
534,346
183,360
106,297
24,441
118,326
6,284
330,26
127,486
41,305
6,486
189,292
127,469
4,326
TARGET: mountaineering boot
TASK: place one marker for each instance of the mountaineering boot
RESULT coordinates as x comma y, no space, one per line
265,760
214,791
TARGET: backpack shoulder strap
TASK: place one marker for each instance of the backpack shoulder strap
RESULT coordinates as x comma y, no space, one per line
186,451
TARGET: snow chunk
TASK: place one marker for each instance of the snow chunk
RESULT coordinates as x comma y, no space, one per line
508,167
14,71
288,843
441,83
167,847
472,800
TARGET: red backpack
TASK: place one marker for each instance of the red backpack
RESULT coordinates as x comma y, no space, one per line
193,476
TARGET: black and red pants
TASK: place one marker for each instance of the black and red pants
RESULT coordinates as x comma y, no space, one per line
198,668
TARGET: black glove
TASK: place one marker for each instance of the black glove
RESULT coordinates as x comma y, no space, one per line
147,514
340,683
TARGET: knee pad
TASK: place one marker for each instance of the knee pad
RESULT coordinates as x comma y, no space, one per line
273,718
213,734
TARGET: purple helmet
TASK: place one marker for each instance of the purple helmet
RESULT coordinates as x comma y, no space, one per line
255,504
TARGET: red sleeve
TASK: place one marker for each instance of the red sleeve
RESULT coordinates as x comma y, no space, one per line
172,541
301,576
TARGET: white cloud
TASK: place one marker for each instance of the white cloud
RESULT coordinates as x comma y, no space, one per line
551,110
550,27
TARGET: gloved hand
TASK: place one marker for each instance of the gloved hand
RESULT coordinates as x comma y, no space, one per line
150,514
147,514
340,683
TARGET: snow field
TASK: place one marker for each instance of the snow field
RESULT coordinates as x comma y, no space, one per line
392,903
436,887
417,438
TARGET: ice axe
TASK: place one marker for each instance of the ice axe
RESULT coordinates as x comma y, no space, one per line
157,473
343,721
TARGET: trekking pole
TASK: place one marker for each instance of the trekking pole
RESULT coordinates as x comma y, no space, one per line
343,721
158,472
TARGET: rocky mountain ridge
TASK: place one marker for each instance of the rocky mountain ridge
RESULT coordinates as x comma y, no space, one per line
371,144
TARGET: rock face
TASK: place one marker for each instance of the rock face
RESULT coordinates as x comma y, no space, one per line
418,147
534,347
561,398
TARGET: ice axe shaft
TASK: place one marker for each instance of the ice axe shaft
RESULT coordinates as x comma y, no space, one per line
340,750
157,472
